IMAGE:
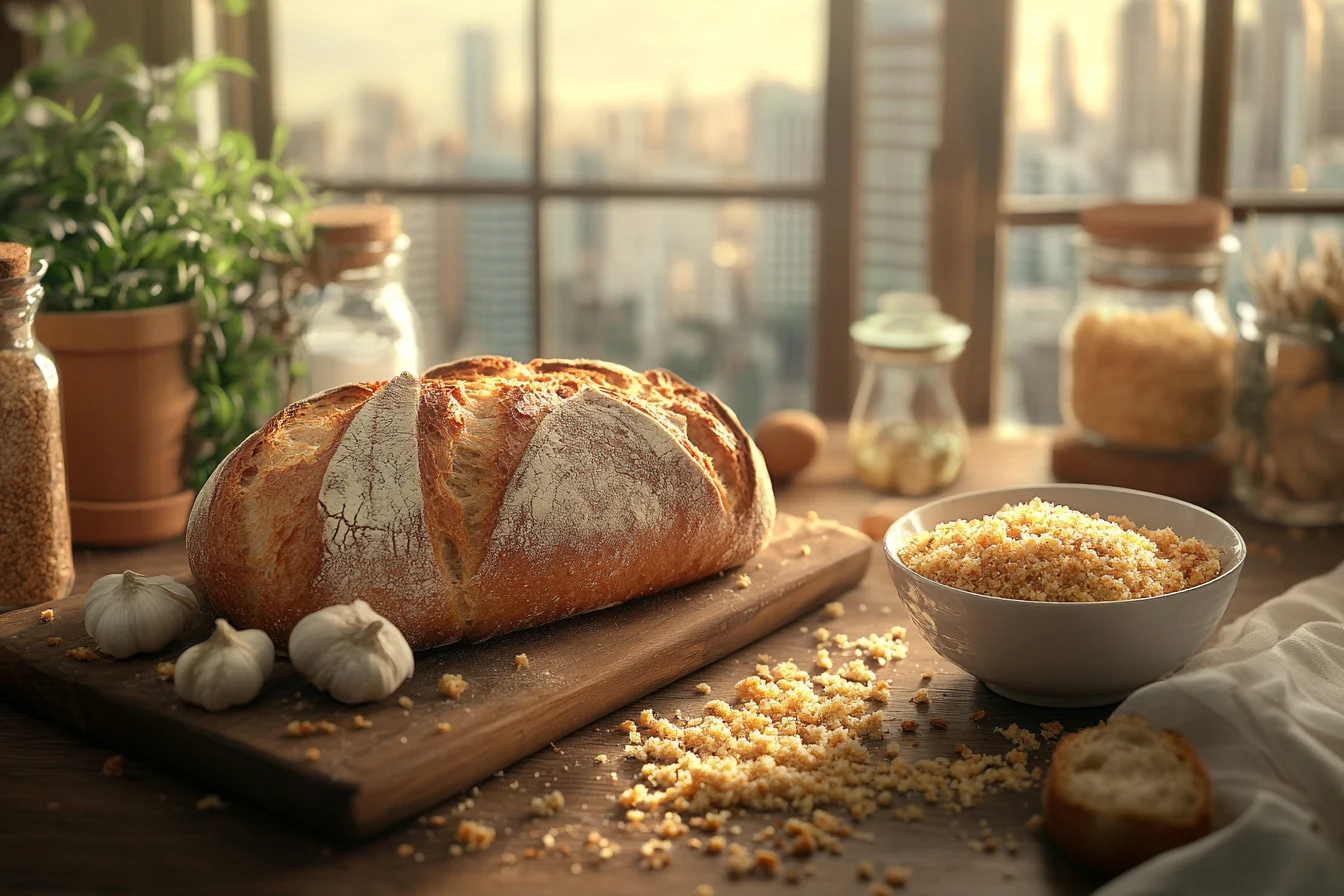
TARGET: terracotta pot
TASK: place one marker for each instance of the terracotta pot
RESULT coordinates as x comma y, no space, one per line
127,402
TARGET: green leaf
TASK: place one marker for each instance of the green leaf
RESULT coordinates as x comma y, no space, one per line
203,70
9,107
235,7
94,106
78,34
54,108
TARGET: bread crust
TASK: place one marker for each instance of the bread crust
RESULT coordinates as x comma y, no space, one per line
1113,842
484,497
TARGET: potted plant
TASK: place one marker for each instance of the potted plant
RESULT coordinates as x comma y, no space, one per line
169,261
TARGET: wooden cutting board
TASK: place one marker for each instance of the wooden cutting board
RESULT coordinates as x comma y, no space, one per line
369,779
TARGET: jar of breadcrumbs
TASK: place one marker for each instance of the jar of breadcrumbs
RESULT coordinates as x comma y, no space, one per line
1147,354
35,559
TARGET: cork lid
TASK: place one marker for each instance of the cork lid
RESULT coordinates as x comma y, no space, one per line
352,224
15,260
1169,227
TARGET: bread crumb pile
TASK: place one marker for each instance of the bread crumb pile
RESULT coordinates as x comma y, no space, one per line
1046,552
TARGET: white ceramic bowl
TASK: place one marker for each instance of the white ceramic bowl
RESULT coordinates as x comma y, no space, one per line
1068,654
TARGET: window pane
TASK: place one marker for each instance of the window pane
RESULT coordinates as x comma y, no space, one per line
902,84
720,293
694,91
409,90
1105,97
1037,297
1291,233
1288,95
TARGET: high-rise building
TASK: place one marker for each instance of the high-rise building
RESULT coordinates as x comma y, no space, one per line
1332,72
480,107
1289,98
384,139
1063,89
1152,96
308,145
902,84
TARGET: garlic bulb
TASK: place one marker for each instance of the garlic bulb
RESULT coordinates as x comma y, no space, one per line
130,613
227,669
351,652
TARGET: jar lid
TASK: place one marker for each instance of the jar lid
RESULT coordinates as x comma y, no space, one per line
911,322
15,260
351,224
1170,227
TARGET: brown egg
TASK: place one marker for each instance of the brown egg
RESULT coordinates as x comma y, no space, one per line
789,441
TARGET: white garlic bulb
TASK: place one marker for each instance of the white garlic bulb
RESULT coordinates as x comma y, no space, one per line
351,652
227,669
130,613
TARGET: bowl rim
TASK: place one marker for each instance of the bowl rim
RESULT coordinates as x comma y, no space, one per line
892,558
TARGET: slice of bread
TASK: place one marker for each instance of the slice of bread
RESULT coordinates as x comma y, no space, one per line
1120,793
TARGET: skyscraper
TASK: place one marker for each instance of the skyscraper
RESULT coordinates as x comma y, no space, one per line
1152,94
479,103
902,84
1063,91
1332,72
1289,99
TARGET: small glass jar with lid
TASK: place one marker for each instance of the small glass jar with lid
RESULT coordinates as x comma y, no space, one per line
907,434
36,564
358,323
1147,353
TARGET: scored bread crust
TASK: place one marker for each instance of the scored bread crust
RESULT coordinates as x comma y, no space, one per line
483,497
1111,841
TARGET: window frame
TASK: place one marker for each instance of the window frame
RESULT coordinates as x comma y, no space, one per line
832,196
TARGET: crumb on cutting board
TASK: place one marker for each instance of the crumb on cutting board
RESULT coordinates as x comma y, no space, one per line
442,728
165,671
405,702
52,642
452,686
520,661
545,806
834,609
312,754
210,801
83,654
114,766
744,581
475,836
48,615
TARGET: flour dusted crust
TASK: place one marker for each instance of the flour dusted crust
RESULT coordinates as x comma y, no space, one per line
483,497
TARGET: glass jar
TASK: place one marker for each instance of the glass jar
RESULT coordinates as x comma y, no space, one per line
1289,420
36,564
1146,354
907,435
358,324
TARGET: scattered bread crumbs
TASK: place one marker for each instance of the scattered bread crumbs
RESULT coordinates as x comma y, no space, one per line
1020,736
210,801
300,729
715,845
165,671
520,661
703,688
977,715
545,806
83,654
823,660
1034,823
600,758
114,766
360,722
812,516
926,675
704,890
893,750
1051,730
896,875
762,657
52,642
940,724
834,609
805,550
909,725
767,860
822,634
508,859
655,854
880,890
436,821
405,702
921,696
312,754
48,615
1046,552
475,836
744,581
452,686
760,566
326,727
442,728
405,850
865,870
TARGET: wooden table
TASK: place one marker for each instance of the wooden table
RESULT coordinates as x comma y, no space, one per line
65,827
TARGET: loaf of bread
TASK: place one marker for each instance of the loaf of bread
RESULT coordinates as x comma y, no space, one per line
483,497
1120,793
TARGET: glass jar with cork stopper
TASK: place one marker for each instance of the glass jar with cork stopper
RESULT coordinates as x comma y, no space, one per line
36,564
359,324
1147,351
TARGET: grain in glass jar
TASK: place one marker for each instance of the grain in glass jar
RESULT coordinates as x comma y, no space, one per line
1148,351
36,565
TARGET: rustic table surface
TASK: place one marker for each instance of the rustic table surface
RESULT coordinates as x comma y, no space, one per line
66,827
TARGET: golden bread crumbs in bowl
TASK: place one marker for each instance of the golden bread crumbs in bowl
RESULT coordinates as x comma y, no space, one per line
1046,552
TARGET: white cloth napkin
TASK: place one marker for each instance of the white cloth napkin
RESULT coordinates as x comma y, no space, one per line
1264,706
